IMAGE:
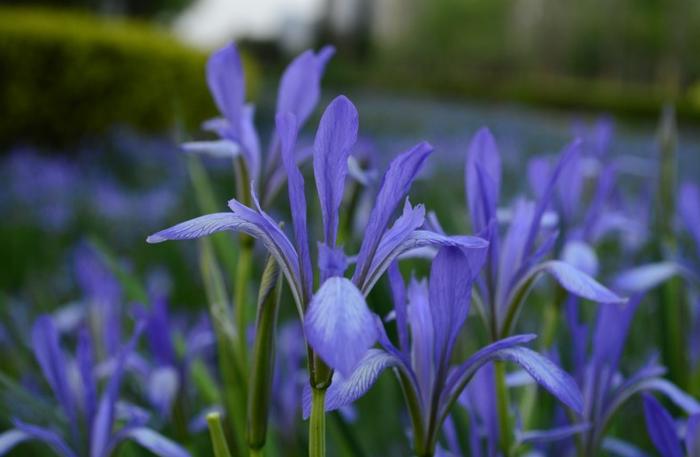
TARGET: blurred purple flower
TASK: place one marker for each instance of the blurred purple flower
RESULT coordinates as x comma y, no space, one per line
83,406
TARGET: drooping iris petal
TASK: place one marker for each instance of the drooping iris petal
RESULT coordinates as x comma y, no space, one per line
11,438
451,277
300,86
577,282
246,220
459,377
345,390
336,134
46,436
418,239
646,277
661,428
227,84
483,158
395,185
153,441
48,353
339,326
286,124
547,375
692,435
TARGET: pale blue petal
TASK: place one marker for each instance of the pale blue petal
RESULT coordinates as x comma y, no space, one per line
339,326
154,442
646,277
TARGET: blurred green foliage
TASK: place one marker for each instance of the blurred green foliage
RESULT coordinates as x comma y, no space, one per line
67,75
625,56
161,9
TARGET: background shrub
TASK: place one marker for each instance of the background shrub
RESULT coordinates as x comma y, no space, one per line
67,75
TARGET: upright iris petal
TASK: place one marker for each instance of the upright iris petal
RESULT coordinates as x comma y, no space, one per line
483,179
227,85
338,324
337,133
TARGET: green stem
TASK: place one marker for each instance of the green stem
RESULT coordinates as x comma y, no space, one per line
243,269
505,435
317,423
255,453
218,439
262,369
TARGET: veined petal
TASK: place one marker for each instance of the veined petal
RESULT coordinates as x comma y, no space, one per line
344,391
451,277
45,435
153,441
395,185
458,379
661,428
513,248
331,262
48,353
287,132
336,134
387,253
339,326
483,158
579,283
246,220
227,84
300,86
224,149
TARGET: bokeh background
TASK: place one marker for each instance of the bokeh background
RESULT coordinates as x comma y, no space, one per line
96,95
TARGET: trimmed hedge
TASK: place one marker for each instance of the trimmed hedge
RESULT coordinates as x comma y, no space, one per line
68,75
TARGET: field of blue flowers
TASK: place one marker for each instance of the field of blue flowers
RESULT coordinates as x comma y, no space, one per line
410,278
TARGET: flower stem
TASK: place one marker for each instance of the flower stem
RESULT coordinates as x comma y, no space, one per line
317,423
255,453
505,435
217,436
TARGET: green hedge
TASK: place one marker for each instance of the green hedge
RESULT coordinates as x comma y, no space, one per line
68,75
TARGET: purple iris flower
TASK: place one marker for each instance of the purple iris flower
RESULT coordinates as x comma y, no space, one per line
604,389
664,432
299,92
429,317
516,260
92,417
337,322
